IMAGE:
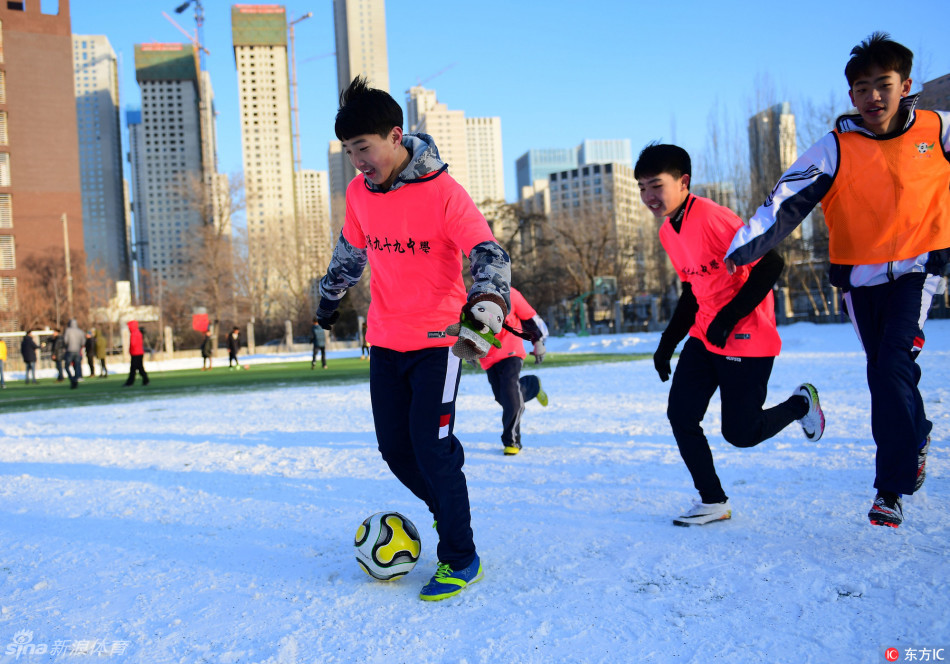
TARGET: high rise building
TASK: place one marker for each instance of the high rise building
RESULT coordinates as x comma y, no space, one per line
605,198
418,102
100,156
772,148
259,35
539,164
360,28
360,31
313,215
935,94
39,150
486,167
470,146
167,165
615,150
448,129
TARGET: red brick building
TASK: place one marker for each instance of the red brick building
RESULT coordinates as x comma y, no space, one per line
39,150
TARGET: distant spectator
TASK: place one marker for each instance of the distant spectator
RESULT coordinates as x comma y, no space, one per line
234,345
3,359
207,350
28,349
74,338
318,337
364,346
91,352
101,348
58,353
136,354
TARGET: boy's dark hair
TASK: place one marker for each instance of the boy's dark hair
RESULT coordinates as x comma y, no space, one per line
881,51
366,110
657,158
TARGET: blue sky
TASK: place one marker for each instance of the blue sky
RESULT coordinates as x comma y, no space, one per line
559,71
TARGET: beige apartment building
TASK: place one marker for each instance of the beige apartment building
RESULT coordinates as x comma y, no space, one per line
360,32
259,35
313,215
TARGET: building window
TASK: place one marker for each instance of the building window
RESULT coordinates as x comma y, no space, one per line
4,139
8,294
6,211
3,82
4,169
7,253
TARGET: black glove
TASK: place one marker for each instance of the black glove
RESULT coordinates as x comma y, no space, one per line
327,313
662,356
721,326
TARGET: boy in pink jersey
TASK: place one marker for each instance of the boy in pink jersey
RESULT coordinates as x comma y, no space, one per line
730,320
503,367
412,222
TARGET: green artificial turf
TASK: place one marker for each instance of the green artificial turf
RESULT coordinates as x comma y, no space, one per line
47,393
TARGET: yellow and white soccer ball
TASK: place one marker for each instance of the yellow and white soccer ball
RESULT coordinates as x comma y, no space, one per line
387,545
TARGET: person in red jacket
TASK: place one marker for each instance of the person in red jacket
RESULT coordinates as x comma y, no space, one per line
503,367
137,354
730,320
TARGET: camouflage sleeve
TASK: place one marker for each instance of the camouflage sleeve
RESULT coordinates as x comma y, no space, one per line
345,269
491,270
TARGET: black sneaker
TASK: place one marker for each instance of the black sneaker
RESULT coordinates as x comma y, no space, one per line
922,464
887,510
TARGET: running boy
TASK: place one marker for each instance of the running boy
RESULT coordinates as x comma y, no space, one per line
730,319
412,222
882,177
503,367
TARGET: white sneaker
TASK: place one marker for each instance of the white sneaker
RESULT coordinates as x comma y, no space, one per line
813,424
702,513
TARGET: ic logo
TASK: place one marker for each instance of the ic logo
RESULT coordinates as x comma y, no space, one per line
891,654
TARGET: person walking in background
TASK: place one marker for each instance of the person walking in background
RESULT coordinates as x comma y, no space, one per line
3,359
58,353
318,337
90,350
28,349
364,345
101,347
503,368
136,354
234,345
74,338
207,350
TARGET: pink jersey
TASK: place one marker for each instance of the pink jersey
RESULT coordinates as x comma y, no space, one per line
414,236
697,253
511,344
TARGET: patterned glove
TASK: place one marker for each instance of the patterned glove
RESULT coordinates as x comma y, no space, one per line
327,313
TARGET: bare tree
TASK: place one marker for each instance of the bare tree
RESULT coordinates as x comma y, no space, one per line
43,289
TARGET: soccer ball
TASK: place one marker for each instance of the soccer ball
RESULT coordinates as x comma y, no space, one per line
387,545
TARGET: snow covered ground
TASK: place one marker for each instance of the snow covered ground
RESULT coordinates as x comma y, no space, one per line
219,529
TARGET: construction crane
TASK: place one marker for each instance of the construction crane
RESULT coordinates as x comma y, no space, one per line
199,39
192,38
429,78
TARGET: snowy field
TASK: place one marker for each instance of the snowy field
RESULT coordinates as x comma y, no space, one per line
220,528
